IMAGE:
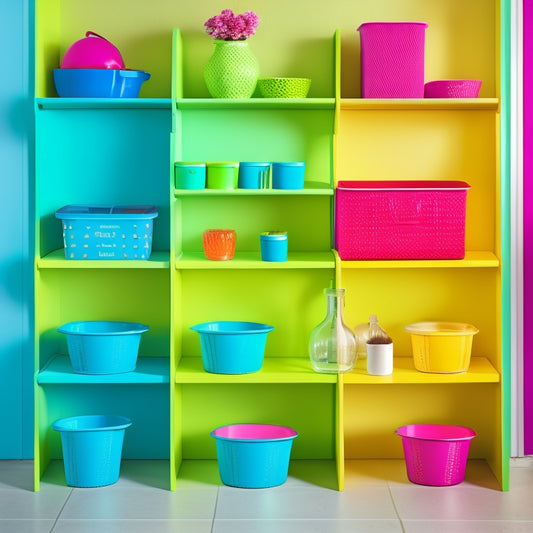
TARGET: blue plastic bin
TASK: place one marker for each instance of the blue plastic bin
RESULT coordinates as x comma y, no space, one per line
98,83
290,175
107,232
274,246
254,175
103,346
231,347
92,448
253,456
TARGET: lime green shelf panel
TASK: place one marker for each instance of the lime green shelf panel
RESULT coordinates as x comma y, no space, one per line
311,188
446,104
256,103
274,370
149,370
252,260
480,371
104,103
56,259
471,260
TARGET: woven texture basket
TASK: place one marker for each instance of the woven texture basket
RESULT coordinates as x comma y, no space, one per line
452,89
400,220
284,87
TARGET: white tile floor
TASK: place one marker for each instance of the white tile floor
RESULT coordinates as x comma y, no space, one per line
377,498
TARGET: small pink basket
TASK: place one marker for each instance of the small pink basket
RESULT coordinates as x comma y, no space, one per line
452,89
435,454
400,219
392,59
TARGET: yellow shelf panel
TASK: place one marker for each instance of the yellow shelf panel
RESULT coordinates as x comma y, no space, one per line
252,260
480,371
471,260
56,259
274,370
446,104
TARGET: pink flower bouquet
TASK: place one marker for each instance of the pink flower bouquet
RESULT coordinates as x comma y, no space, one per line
230,27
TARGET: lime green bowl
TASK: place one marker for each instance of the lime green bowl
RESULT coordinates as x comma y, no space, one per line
284,87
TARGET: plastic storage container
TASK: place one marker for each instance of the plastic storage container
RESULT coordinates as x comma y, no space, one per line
103,347
92,448
392,59
254,175
253,455
288,175
107,232
452,89
435,454
400,219
99,83
92,51
274,245
441,347
232,347
219,244
222,175
190,175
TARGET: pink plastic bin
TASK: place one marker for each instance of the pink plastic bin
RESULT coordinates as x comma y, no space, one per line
392,59
435,454
400,219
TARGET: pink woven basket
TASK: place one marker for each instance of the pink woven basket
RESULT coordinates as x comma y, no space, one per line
436,454
452,89
400,219
392,59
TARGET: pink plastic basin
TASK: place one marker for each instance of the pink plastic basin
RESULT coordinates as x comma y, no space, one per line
93,51
435,454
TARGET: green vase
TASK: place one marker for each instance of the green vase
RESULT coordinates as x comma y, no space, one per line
232,70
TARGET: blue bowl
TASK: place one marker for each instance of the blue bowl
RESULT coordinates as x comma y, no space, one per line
98,83
92,448
230,347
103,346
253,456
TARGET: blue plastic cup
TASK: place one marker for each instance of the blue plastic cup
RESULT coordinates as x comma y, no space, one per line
92,448
288,175
274,246
254,175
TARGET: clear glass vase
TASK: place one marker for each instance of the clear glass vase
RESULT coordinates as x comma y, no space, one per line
332,345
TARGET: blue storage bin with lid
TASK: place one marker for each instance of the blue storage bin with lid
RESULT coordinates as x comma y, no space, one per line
107,232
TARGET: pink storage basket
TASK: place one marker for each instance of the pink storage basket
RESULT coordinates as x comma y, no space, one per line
452,89
400,219
392,59
435,454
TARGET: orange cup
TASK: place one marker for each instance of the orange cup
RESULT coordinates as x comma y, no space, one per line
219,244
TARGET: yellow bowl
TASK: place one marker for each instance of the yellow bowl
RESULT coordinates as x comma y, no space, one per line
441,347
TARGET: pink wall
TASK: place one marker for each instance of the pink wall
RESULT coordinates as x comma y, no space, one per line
528,226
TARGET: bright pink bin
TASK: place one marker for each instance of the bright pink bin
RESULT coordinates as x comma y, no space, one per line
392,59
400,219
435,454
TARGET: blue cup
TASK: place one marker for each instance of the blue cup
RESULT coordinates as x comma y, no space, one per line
274,246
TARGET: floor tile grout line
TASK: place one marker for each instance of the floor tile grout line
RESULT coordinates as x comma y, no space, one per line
61,510
395,507
215,510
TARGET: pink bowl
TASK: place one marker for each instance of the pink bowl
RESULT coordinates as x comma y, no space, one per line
93,51
452,89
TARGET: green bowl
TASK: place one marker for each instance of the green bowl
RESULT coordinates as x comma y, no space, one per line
284,87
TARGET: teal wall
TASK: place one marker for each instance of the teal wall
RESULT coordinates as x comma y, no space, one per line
16,133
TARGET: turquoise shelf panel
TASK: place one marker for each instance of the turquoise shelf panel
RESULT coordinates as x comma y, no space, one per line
149,370
56,259
104,103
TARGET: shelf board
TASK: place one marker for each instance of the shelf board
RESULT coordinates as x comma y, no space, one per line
446,104
471,260
274,370
56,259
149,370
404,372
311,188
256,103
252,261
104,103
